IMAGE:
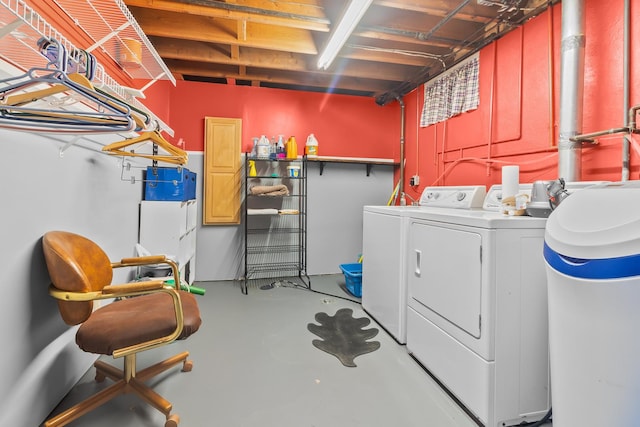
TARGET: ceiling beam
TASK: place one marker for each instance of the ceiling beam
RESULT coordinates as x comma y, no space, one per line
281,77
190,27
212,53
248,57
285,14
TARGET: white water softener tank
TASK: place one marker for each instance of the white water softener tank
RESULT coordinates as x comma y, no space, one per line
592,254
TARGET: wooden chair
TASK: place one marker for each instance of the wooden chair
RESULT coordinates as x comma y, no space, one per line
143,315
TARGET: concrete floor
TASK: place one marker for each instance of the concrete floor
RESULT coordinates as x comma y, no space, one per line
255,366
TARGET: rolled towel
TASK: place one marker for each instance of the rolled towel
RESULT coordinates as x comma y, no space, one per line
262,211
269,190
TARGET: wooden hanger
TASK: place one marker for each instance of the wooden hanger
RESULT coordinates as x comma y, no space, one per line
15,95
140,118
176,155
36,95
108,113
111,115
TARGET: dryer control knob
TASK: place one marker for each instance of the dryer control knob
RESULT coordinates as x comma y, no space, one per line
460,196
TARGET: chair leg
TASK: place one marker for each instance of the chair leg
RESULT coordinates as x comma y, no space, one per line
150,396
127,380
88,405
160,367
104,370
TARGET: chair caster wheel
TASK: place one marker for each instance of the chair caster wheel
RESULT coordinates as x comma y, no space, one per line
187,366
172,421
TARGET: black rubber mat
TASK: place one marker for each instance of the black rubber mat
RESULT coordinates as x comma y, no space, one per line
342,335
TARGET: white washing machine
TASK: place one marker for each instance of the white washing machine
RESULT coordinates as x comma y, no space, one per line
384,286
477,308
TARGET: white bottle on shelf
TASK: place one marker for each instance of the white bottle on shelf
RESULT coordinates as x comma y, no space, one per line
311,149
263,148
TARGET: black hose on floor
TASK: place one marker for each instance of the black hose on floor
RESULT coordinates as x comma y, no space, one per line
543,421
290,284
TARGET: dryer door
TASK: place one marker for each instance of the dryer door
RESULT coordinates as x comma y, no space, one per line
445,273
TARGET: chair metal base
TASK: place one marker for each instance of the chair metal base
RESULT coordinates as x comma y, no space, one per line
127,381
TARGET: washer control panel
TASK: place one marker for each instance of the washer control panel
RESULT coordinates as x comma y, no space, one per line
463,197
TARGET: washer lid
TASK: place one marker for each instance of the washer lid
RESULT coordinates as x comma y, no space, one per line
597,223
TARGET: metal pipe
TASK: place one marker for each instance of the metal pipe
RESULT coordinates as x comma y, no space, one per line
630,118
552,113
492,93
571,89
588,137
445,19
403,200
625,90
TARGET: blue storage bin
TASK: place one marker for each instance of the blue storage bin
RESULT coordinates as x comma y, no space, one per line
169,184
353,278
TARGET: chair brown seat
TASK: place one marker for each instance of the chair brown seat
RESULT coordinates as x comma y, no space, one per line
138,316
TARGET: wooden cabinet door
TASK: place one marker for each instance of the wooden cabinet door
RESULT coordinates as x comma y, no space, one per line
222,171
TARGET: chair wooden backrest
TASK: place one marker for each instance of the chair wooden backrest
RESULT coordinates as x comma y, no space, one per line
76,264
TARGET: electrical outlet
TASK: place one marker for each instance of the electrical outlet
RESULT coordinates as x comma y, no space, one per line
415,180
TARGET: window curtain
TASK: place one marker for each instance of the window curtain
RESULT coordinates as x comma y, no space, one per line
454,93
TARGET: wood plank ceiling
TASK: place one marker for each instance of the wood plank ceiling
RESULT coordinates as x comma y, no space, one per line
398,45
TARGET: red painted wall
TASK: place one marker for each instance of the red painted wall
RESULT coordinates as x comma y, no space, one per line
155,100
347,126
516,122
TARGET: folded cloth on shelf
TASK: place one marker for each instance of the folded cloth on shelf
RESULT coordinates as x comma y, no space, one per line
270,190
262,211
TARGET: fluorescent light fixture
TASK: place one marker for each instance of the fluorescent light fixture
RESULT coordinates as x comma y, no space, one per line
347,24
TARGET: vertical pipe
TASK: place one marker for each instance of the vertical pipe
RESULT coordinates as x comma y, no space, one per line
403,200
571,89
625,90
492,104
552,113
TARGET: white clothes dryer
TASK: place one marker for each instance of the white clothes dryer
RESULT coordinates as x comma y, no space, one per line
384,286
477,310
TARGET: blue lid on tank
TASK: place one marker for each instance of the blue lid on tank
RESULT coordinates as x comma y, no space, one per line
603,268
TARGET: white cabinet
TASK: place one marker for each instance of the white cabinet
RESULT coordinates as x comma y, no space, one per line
169,228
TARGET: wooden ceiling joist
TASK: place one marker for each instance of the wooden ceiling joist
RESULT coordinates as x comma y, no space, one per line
172,25
304,18
397,45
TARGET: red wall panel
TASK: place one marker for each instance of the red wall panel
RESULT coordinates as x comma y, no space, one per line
156,97
472,148
507,101
348,126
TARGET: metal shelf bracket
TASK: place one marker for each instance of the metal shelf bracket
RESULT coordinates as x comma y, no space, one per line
108,37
